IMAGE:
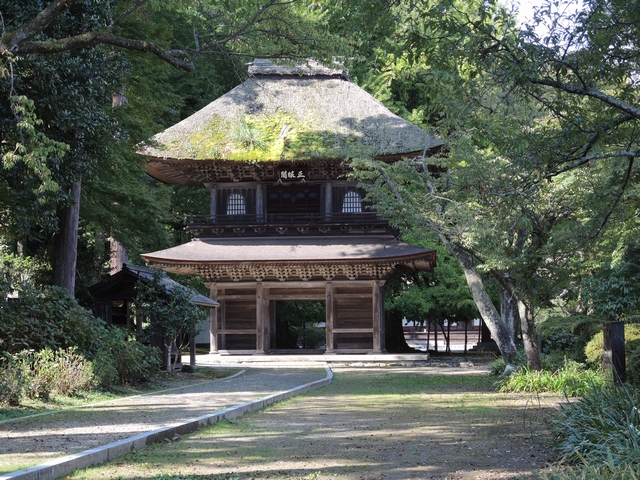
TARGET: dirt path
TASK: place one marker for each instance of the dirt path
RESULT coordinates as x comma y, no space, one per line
371,423
33,440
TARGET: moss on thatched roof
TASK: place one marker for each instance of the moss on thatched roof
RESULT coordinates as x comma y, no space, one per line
285,113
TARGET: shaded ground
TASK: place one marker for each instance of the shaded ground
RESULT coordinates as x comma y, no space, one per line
371,423
31,441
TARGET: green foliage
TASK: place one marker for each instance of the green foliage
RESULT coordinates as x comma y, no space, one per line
124,361
33,147
74,373
46,318
12,380
296,322
432,297
614,290
37,375
170,310
594,351
569,335
601,428
586,471
571,379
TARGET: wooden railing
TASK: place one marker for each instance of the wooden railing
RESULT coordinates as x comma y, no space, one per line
279,223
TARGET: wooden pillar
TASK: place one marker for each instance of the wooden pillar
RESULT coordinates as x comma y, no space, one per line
213,209
222,342
109,318
192,351
260,208
328,200
266,313
260,316
330,316
378,317
213,320
272,325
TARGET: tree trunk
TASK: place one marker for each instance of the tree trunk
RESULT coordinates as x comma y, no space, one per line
499,330
394,335
66,246
527,323
508,311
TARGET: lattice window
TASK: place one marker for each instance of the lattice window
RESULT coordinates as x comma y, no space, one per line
352,202
236,204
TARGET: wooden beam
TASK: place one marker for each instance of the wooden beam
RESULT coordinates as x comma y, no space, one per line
297,297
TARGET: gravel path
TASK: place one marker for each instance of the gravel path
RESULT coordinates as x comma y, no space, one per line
34,440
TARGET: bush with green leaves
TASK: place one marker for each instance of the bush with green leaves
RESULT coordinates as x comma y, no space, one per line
569,335
601,429
172,315
124,361
12,380
46,318
594,351
572,379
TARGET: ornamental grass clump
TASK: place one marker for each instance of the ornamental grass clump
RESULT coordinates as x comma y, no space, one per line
571,379
601,429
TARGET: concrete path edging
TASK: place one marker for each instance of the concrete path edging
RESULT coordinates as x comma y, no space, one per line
66,465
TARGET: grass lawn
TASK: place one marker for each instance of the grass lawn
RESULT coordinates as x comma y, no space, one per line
391,423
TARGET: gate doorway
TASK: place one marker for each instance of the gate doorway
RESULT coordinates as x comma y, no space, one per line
300,326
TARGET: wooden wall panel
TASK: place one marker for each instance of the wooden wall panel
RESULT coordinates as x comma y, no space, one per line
353,341
240,315
356,312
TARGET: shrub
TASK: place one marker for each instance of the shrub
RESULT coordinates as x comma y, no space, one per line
74,373
601,428
571,379
12,380
569,335
41,372
123,361
47,318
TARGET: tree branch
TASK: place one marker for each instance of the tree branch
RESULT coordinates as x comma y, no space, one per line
589,92
14,39
94,38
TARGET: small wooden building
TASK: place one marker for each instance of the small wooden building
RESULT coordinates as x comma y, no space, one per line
286,222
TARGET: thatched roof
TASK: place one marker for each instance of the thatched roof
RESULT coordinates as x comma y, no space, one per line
291,113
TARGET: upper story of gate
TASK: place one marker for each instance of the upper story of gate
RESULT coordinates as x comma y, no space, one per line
272,152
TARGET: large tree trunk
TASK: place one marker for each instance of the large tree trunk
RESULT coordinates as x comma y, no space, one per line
527,323
66,245
499,330
509,311
394,335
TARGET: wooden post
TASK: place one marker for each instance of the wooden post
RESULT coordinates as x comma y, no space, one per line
330,315
192,351
328,201
260,326
222,342
213,209
266,314
378,316
260,210
213,320
272,325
